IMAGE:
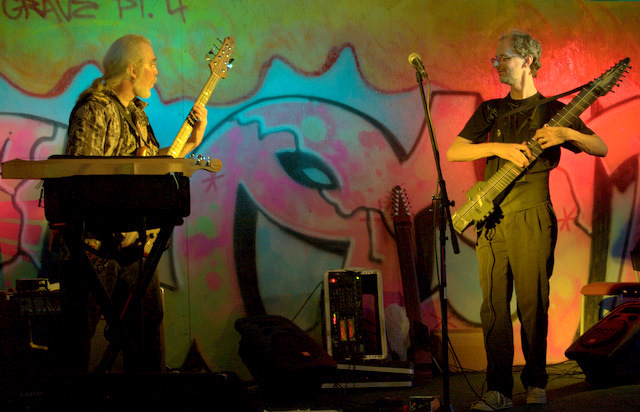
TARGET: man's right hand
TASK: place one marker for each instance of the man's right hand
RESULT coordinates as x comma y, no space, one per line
518,153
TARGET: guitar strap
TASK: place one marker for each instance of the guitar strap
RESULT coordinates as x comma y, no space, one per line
540,102
129,118
125,114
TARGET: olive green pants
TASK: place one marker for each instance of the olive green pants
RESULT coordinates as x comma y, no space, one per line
516,252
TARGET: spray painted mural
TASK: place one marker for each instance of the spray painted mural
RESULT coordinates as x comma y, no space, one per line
319,118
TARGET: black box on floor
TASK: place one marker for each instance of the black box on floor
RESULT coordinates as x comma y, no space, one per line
609,352
280,355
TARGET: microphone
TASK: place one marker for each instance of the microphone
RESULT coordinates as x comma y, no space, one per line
416,62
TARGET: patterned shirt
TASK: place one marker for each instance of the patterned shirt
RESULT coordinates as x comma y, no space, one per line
100,125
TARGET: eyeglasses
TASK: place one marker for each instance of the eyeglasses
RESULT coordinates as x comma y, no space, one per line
495,61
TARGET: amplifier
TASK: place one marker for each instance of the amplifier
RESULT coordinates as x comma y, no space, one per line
354,315
30,285
30,339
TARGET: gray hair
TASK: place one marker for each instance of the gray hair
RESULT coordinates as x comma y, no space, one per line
123,52
525,45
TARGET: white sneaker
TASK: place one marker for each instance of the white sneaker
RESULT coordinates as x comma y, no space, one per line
536,396
492,401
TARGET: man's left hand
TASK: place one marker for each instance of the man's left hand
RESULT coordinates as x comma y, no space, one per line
200,114
548,136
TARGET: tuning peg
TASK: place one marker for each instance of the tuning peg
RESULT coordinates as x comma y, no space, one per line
222,42
199,159
230,64
210,53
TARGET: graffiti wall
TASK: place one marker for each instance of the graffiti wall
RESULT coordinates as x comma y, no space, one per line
319,118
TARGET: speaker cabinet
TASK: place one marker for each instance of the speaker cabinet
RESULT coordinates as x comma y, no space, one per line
30,341
609,352
280,355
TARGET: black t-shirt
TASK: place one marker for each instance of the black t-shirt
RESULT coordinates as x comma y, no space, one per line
487,125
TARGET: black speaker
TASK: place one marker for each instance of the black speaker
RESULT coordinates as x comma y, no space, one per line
280,355
609,352
30,340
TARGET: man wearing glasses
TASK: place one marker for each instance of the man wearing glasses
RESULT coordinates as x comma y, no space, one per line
516,242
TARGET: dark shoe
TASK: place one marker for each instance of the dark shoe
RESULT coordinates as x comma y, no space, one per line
536,396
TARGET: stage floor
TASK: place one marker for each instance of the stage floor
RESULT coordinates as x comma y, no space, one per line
567,391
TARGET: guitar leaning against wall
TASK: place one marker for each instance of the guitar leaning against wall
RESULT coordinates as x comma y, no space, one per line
418,354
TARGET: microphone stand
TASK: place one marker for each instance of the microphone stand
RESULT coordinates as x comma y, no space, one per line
444,217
